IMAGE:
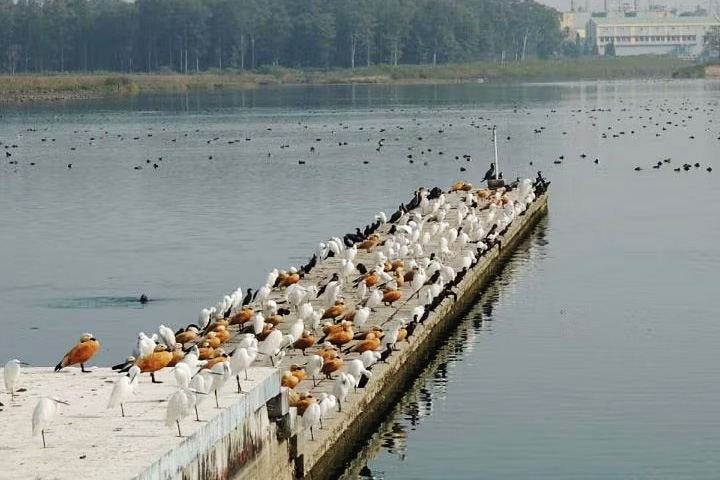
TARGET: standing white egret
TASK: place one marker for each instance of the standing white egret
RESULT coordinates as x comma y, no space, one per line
314,366
369,357
221,373
179,406
145,345
11,374
201,384
296,329
341,388
167,335
183,374
192,358
240,360
357,369
44,414
311,418
271,343
327,404
361,316
124,387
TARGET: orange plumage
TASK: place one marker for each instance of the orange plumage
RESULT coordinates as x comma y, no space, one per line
290,279
157,360
242,316
305,401
306,341
369,242
332,365
298,372
186,336
80,353
342,336
391,295
371,342
334,311
288,380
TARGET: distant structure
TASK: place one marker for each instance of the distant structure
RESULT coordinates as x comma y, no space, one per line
655,32
574,24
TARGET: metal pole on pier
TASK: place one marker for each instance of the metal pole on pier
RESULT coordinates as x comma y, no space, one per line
497,168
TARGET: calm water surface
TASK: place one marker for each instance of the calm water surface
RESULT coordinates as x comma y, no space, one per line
594,356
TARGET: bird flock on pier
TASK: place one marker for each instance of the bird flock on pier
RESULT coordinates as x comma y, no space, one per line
326,324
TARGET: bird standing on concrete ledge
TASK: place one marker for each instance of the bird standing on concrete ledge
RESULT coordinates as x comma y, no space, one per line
80,353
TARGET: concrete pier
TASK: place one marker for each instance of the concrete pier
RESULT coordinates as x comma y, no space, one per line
255,434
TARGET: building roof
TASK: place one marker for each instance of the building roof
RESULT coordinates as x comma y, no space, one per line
652,20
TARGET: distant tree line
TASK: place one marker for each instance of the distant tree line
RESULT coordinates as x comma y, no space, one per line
197,35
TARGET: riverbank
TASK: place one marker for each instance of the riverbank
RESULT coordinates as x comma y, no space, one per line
61,87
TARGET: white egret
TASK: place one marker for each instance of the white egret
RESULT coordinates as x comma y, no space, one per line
201,384
180,405
11,372
124,387
314,366
167,335
357,369
183,374
240,360
369,357
221,373
341,388
311,417
44,413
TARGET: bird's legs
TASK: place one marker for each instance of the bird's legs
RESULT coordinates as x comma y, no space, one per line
122,409
178,424
152,375
82,369
43,435
238,381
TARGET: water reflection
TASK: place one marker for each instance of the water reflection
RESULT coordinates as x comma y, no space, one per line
431,386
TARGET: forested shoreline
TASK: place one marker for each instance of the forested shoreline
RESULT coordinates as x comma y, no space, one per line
190,36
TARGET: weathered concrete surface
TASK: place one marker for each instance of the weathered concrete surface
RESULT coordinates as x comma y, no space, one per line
87,440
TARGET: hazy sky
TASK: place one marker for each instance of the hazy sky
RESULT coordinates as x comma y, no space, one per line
597,5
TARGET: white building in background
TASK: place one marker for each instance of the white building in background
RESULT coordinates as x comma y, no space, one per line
650,34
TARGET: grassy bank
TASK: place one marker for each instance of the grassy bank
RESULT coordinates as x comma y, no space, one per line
27,88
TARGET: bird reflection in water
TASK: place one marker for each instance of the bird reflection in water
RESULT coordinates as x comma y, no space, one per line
395,440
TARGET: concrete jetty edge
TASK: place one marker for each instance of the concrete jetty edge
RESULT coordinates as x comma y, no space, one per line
329,462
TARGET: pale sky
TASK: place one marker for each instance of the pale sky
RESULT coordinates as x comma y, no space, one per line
597,5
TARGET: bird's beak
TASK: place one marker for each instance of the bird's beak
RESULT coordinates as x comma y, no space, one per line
23,363
61,401
197,391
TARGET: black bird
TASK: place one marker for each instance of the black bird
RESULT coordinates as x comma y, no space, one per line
324,287
396,216
411,327
361,268
386,353
435,193
247,297
144,298
490,173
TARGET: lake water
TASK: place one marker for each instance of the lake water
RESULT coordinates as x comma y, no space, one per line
593,356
